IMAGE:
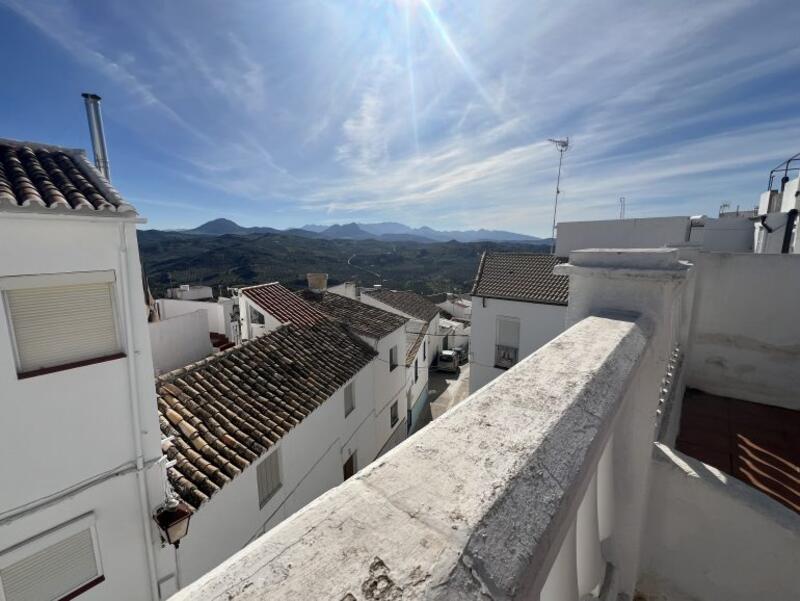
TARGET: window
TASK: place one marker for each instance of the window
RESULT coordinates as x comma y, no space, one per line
57,565
269,477
349,467
392,358
416,370
393,414
507,342
349,399
256,317
61,321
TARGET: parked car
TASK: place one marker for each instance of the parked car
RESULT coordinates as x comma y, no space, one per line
448,361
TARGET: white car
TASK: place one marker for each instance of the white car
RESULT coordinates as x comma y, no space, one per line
448,361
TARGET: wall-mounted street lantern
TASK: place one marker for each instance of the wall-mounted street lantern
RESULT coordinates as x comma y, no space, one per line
173,520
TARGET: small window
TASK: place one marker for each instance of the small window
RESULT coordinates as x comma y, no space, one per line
393,414
349,467
416,370
256,317
60,564
349,399
269,477
393,358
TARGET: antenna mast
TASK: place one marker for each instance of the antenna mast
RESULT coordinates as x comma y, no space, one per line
622,207
561,146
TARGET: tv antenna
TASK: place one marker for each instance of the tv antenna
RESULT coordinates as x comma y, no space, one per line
622,207
561,146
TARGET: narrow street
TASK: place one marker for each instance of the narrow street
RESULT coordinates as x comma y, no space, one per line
447,390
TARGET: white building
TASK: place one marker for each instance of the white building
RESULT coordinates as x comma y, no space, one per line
190,292
725,234
457,305
79,436
258,431
385,332
518,306
424,342
777,224
267,306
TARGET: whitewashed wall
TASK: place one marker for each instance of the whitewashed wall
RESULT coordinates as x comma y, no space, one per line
746,329
69,427
390,386
180,340
652,232
709,536
539,324
218,314
312,456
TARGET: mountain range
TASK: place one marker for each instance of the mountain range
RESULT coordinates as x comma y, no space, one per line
385,231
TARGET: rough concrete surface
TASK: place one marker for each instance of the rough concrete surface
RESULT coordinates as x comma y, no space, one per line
472,507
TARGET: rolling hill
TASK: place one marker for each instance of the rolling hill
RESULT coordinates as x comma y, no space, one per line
240,258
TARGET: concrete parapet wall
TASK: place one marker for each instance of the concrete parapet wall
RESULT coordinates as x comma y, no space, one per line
475,506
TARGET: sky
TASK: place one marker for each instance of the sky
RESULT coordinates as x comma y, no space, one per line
426,112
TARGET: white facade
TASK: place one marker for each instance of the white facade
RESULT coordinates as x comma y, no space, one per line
778,213
190,292
179,340
220,314
538,325
80,445
388,385
312,456
729,234
460,308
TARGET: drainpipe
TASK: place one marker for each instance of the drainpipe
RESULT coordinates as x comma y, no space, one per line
95,119
791,217
133,396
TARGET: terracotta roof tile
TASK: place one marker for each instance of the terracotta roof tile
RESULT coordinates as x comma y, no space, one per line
283,305
226,411
526,277
406,301
362,318
35,175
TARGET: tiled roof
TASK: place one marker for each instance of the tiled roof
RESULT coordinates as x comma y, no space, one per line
524,277
226,411
362,318
283,305
408,302
414,341
38,176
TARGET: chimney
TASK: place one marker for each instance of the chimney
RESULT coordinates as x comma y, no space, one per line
92,102
317,282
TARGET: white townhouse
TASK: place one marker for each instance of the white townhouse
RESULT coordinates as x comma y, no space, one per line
385,332
518,306
256,432
424,342
79,433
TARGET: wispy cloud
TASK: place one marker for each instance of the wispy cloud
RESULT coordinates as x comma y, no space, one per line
438,111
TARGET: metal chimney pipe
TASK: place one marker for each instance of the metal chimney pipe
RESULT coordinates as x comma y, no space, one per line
95,119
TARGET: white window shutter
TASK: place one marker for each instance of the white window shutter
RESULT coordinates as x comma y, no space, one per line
508,332
60,325
53,572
